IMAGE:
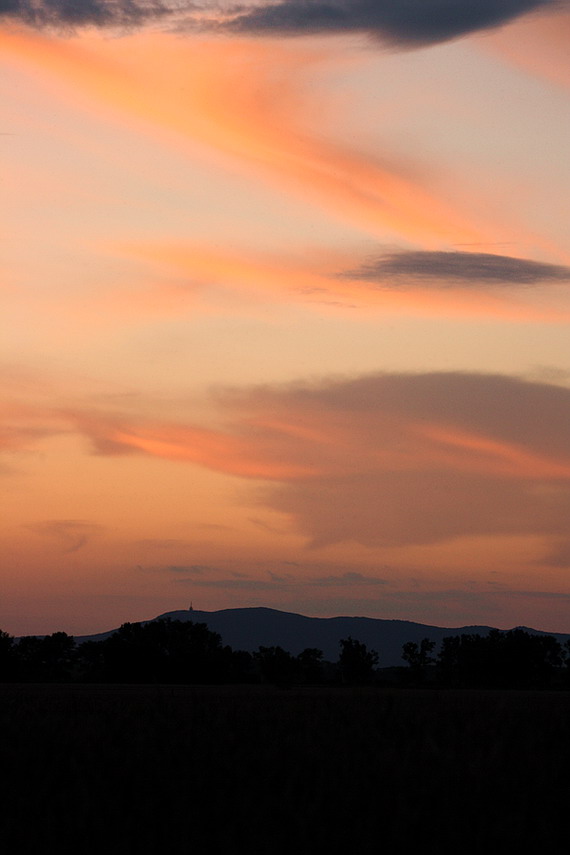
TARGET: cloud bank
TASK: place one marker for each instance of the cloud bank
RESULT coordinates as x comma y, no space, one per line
401,23
405,23
450,267
426,458
384,460
387,459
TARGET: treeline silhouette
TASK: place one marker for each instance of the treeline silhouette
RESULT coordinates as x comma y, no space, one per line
184,652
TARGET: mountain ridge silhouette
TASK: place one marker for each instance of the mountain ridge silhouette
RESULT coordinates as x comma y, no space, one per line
253,627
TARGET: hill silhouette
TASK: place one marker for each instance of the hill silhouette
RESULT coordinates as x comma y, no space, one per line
249,628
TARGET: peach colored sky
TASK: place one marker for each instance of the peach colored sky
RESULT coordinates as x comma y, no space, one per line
285,323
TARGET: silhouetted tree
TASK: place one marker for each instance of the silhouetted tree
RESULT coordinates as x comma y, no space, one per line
168,651
58,656
28,652
513,659
418,658
449,659
275,665
242,667
172,651
159,651
47,659
310,665
90,661
8,661
356,662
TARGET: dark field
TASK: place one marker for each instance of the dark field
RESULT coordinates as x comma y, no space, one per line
120,769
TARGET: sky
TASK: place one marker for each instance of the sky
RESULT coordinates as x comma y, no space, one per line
286,305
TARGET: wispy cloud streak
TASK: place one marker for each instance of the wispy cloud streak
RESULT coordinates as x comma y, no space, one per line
249,101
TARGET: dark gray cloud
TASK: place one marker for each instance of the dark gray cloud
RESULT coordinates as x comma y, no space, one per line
67,14
451,267
407,23
404,23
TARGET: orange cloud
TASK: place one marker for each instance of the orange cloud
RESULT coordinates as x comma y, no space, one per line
384,460
464,423
222,451
244,99
216,450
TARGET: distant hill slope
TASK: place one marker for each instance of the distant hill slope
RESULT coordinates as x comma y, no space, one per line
250,628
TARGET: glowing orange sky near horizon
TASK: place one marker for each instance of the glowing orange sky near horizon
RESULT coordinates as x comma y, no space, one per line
201,397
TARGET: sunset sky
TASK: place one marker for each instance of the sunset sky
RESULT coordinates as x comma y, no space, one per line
286,310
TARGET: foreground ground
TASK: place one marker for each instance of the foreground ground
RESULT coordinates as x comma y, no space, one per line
120,769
